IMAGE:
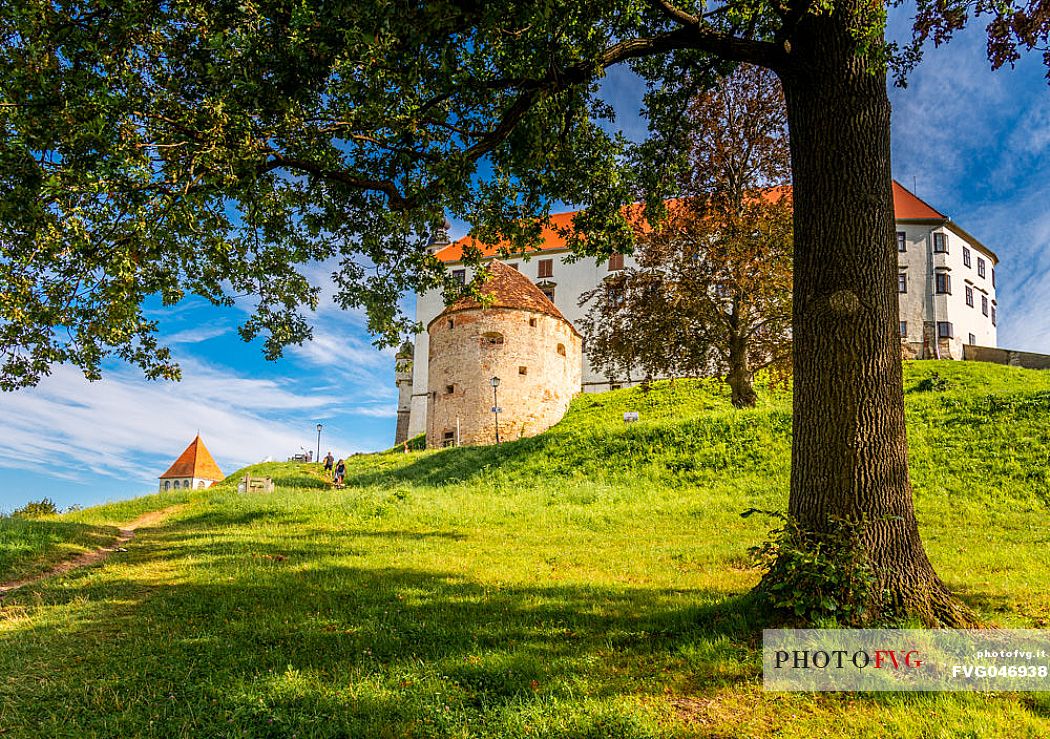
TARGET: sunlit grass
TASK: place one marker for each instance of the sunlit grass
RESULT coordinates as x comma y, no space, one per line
589,582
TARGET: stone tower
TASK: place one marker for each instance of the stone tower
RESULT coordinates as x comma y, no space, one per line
403,379
519,336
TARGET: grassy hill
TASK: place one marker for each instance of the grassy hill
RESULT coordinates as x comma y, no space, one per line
588,582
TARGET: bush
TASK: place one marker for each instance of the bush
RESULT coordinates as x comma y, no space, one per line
36,509
816,577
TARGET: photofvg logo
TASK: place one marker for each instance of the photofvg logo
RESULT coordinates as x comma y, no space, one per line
905,659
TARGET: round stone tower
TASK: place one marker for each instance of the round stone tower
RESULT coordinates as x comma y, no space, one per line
517,336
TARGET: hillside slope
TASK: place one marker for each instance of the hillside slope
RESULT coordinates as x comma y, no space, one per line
587,582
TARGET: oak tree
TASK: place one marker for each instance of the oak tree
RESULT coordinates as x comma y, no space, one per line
160,148
711,289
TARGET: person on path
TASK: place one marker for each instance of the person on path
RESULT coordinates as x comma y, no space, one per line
340,473
329,460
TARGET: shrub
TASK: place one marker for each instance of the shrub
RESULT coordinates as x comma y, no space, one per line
36,509
816,577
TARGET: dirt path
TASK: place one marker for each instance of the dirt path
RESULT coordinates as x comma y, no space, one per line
127,533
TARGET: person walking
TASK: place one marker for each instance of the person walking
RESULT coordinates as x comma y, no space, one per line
329,460
340,473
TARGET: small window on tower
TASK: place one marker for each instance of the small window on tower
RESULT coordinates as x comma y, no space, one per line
984,304
943,283
451,323
940,243
492,338
523,370
966,256
980,266
902,282
532,322
902,240
449,389
546,268
561,349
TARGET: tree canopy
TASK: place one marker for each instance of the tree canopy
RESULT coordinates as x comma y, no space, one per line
171,147
711,292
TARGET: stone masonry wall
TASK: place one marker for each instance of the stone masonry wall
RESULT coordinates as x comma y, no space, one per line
467,348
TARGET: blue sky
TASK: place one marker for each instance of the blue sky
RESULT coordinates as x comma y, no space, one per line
974,143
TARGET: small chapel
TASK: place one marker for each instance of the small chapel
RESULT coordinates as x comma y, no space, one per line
194,469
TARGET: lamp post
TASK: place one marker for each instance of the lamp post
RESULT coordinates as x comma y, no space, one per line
495,404
318,457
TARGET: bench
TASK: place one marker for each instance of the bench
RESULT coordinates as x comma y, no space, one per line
251,484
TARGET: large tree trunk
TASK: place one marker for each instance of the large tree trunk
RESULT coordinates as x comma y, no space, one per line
849,453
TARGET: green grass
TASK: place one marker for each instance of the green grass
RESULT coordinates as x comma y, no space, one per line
588,582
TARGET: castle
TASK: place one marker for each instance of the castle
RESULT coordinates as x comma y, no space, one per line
946,284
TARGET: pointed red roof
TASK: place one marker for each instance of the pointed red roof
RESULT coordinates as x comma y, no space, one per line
197,462
508,288
906,207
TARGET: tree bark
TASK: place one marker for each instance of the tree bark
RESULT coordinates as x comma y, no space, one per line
739,377
849,450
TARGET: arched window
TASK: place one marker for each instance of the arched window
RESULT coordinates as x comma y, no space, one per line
167,484
492,338
176,484
200,484
561,349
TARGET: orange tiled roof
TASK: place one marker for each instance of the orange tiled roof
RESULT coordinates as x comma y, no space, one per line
196,461
906,207
508,288
909,207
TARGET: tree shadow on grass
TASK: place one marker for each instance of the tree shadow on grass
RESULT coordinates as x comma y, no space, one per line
31,546
267,645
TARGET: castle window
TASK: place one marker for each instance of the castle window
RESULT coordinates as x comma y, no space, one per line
545,268
973,339
548,290
944,283
451,323
616,262
167,484
902,282
940,243
492,338
460,276
902,240
944,330
449,438
993,278
969,296
904,328
993,315
980,266
523,370
984,304
966,256
449,389
532,322
561,349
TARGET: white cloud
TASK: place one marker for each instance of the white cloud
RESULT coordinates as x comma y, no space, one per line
127,427
196,335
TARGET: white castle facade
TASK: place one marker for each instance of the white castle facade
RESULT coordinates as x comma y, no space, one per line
946,282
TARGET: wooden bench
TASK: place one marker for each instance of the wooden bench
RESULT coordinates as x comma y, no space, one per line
251,484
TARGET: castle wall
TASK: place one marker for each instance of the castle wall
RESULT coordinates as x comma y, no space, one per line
480,344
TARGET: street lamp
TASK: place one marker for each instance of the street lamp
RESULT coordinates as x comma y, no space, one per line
318,457
495,404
